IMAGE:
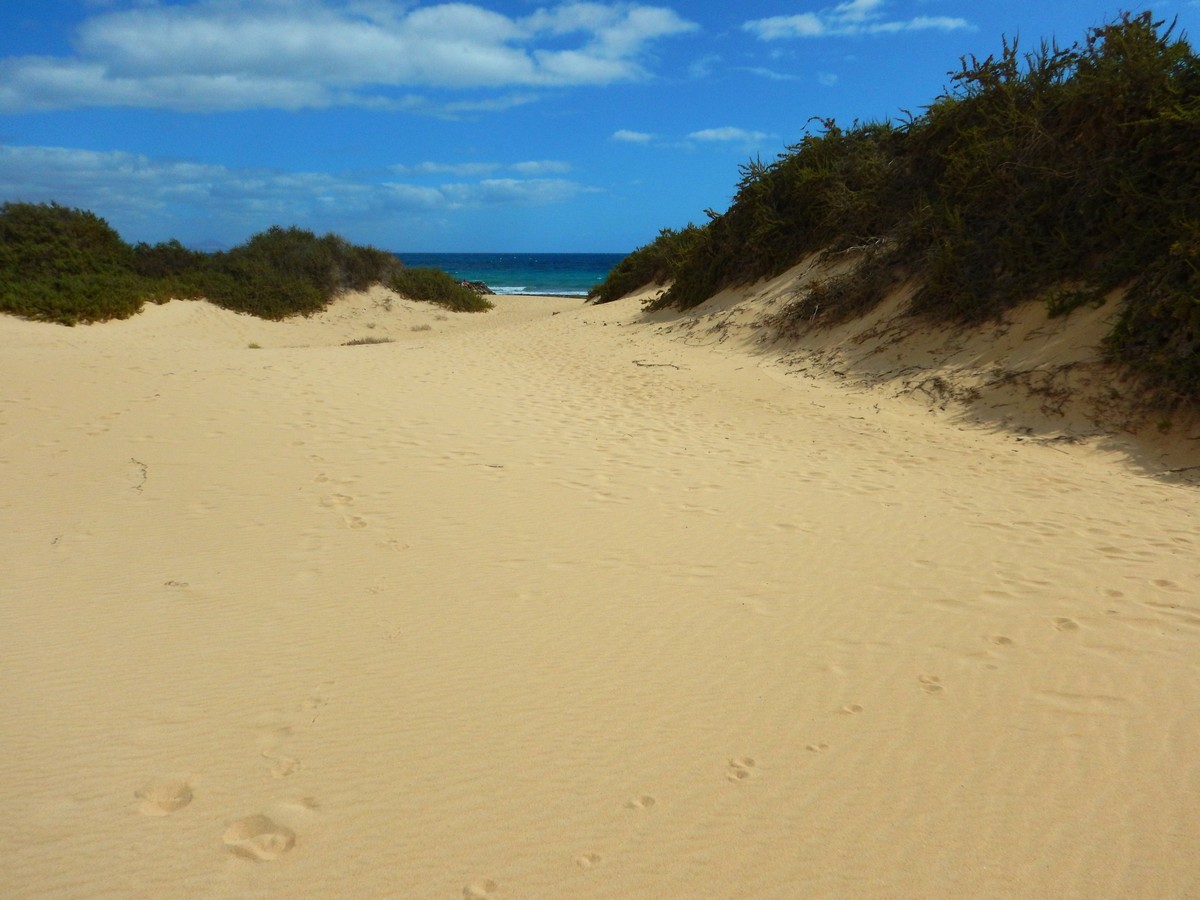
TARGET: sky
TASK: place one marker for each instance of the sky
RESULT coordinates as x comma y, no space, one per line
488,126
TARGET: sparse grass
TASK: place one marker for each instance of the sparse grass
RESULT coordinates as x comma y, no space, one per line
370,339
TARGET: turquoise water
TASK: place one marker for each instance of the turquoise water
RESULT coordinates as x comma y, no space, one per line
571,274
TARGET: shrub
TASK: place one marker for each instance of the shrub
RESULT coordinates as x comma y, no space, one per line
68,265
1060,173
436,286
660,261
64,265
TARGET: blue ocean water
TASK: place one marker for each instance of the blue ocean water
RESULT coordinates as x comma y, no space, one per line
570,274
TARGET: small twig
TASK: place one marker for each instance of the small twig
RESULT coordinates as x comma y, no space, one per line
145,473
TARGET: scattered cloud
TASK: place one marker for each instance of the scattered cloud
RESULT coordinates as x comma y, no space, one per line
632,137
827,79
541,167
460,170
729,135
769,74
703,67
136,192
210,55
853,17
513,192
481,169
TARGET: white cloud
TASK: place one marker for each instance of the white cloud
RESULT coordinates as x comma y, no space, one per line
460,170
728,135
480,169
632,137
247,54
513,192
541,167
769,74
139,193
849,18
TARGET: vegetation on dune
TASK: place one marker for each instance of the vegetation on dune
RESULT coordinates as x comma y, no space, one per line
436,286
67,265
1058,174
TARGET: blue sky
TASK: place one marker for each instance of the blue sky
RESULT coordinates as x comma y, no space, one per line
497,125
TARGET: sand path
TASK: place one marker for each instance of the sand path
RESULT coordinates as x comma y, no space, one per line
549,605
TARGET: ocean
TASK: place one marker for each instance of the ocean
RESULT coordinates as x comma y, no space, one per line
570,274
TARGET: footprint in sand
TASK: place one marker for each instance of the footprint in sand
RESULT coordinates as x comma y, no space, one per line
999,640
816,748
587,860
260,838
643,802
931,684
161,798
282,766
1062,623
851,709
478,890
355,521
740,768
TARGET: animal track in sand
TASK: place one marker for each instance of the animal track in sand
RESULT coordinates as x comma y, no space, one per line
161,798
1062,623
478,890
643,802
257,837
337,500
999,640
355,521
931,684
740,768
587,860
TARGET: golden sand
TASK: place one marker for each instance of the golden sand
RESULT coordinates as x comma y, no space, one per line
568,601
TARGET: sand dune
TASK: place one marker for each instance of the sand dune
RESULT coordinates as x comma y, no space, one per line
566,601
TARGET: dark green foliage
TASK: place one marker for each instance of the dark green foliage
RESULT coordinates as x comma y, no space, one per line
63,265
68,265
659,262
1060,173
288,271
435,286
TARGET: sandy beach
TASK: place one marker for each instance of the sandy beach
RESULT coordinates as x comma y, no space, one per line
563,601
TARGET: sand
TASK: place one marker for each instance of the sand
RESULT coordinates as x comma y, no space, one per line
566,601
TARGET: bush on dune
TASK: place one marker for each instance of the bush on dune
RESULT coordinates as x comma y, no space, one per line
64,265
436,286
68,266
1059,174
659,262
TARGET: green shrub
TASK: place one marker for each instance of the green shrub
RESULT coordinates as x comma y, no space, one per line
436,286
659,262
68,265
64,265
1060,173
